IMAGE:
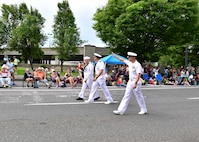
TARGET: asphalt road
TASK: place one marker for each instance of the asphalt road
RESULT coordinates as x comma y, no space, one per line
53,115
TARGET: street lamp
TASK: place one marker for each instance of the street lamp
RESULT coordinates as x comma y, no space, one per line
186,55
49,39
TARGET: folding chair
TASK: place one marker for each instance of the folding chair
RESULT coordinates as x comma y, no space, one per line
146,77
78,82
159,78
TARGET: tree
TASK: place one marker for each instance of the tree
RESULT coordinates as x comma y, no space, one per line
147,27
174,59
66,34
2,33
26,39
23,31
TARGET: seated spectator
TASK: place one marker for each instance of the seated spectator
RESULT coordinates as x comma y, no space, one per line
121,82
113,76
168,81
68,77
108,79
191,79
152,80
5,76
55,77
165,80
39,75
184,81
28,77
175,75
124,72
196,79
172,81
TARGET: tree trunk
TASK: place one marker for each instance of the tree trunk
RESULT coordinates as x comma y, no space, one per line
62,62
31,64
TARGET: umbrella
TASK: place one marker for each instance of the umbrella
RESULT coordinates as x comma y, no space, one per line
112,60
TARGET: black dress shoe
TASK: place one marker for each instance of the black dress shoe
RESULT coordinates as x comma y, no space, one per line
79,98
97,98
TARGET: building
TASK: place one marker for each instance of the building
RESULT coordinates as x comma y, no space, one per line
50,55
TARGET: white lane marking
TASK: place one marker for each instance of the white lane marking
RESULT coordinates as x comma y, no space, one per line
196,98
64,96
70,103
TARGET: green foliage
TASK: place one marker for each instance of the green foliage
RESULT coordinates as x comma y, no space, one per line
66,34
23,31
174,57
148,27
2,34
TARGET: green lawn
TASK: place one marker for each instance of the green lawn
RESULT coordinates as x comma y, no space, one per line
22,70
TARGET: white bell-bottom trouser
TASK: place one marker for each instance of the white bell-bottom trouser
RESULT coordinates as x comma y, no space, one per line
86,84
102,83
5,81
127,96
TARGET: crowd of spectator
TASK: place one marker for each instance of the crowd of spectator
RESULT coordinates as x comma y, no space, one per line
154,75
31,78
172,76
116,76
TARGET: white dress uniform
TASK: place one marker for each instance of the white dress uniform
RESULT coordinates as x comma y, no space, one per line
101,81
88,76
134,69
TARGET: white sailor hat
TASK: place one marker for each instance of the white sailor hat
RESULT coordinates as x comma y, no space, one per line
132,54
97,55
86,58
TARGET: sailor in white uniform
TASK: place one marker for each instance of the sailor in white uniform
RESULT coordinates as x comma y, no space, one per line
88,79
133,85
99,80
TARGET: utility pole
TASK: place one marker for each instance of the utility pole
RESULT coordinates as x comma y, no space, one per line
49,39
186,52
186,55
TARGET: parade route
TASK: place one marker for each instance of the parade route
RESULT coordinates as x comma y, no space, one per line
53,115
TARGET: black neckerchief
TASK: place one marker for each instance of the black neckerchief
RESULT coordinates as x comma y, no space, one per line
85,66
